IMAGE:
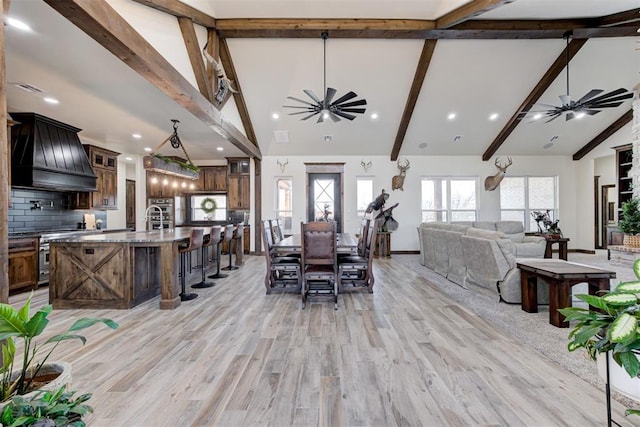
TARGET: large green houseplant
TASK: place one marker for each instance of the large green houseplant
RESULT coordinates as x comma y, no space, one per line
19,325
613,329
629,222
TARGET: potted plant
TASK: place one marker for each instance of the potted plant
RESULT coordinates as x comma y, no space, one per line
611,331
47,409
19,325
629,222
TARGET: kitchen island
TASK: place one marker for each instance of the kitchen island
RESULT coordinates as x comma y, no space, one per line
116,270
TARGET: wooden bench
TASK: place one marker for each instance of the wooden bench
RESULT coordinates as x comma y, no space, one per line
561,276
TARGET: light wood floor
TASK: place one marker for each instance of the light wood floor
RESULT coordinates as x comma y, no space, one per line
405,355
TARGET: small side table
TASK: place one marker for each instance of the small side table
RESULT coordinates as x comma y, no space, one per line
562,247
383,245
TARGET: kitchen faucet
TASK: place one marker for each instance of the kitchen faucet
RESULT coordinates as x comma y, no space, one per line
147,212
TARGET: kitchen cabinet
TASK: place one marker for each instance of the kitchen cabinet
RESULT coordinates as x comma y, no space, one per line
238,184
214,178
105,166
23,263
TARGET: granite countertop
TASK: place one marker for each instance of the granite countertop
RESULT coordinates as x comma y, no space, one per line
155,236
31,234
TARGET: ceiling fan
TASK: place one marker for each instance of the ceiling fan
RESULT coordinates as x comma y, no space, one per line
327,107
590,104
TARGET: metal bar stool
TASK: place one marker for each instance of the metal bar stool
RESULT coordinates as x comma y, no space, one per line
226,237
233,239
195,242
214,238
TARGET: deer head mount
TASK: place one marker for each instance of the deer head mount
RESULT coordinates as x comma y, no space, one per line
398,181
492,182
365,166
283,165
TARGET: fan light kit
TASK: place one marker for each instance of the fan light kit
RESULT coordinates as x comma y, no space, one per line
325,108
589,104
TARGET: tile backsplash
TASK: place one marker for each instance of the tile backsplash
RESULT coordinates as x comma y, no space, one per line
54,211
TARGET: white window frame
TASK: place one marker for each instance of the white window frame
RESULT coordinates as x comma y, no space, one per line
448,210
360,212
528,221
279,213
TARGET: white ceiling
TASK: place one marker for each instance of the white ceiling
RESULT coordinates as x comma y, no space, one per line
473,78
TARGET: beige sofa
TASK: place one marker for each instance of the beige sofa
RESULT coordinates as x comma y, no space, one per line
481,253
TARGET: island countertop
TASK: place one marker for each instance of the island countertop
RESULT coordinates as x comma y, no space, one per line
155,236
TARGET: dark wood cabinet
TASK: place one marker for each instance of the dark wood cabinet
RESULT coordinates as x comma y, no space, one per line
238,184
23,263
105,165
624,162
213,178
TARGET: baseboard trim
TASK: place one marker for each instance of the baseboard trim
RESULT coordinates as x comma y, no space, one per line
405,252
583,251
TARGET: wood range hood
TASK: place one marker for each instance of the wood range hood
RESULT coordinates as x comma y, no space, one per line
47,154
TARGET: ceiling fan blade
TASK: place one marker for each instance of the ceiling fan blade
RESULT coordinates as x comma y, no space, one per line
353,103
552,107
300,112
331,92
334,117
312,96
300,106
349,95
613,93
605,105
553,117
310,115
301,100
570,115
345,115
352,110
320,118
608,100
591,94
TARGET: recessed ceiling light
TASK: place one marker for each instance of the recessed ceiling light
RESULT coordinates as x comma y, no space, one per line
275,116
493,116
220,149
15,23
579,115
128,158
136,135
537,116
374,116
148,149
451,116
50,100
422,145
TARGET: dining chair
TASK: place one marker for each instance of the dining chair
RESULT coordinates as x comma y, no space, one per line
319,261
283,272
357,270
275,229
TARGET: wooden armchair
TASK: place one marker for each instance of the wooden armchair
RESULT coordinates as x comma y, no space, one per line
355,272
283,272
319,261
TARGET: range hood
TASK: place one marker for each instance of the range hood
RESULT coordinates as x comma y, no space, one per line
47,154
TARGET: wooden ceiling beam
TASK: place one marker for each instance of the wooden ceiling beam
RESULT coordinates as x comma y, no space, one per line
604,135
195,56
558,65
230,70
421,71
102,23
469,10
623,18
180,10
419,29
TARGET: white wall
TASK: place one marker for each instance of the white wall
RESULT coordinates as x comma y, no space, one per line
408,212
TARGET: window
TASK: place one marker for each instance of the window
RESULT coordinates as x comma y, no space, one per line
284,201
364,194
520,196
219,214
448,199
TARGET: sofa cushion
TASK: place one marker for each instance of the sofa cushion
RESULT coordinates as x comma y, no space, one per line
485,225
459,228
485,234
515,238
510,227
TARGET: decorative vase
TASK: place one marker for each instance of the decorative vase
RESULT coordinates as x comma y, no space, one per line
51,377
631,241
619,379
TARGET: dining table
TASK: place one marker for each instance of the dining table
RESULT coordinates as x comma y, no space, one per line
346,243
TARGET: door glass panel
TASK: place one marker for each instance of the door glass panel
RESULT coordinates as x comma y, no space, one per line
323,199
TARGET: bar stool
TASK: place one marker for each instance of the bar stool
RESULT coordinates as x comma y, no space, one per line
195,242
214,238
226,237
231,246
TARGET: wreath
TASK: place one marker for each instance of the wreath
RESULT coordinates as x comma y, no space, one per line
208,205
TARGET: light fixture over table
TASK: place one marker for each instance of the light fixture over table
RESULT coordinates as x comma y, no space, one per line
325,108
589,104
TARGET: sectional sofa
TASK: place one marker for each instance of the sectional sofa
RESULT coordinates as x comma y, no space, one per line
481,253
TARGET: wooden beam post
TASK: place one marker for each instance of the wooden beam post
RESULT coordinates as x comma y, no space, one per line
195,56
604,135
5,191
468,11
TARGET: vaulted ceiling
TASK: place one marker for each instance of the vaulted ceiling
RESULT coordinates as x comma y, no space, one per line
415,62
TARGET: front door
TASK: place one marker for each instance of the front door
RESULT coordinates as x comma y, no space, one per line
324,198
